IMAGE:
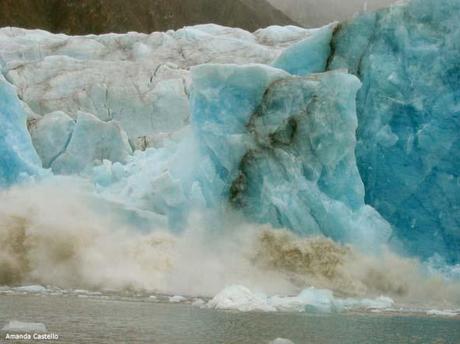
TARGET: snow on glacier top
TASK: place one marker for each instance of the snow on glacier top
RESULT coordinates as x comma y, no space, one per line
139,80
185,47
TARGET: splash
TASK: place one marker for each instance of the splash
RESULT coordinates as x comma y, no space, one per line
323,263
51,236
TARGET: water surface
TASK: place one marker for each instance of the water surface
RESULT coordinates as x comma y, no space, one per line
124,320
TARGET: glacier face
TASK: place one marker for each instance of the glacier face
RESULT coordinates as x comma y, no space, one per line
281,149
216,119
18,158
274,147
409,118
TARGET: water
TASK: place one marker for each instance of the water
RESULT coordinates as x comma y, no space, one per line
131,320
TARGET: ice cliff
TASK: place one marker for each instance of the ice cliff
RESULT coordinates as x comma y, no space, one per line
18,158
407,58
286,157
351,131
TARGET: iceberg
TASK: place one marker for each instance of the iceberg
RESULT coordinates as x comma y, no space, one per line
198,302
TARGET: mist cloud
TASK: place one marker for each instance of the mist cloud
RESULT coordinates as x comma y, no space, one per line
314,13
51,235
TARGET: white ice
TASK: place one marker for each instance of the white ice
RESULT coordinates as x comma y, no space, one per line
240,298
18,326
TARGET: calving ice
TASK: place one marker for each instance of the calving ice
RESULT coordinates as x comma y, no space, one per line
191,145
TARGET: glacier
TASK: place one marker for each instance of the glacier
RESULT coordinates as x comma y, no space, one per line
407,58
282,150
18,158
139,80
349,131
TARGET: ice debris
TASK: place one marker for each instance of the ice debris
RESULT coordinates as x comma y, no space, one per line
177,299
18,326
31,289
281,341
240,298
443,313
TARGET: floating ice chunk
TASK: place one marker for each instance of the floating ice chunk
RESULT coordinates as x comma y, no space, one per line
317,299
443,313
6,290
18,326
242,299
281,341
309,300
177,299
31,289
379,303
86,292
198,302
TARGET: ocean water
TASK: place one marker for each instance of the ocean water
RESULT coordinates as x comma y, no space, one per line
87,319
